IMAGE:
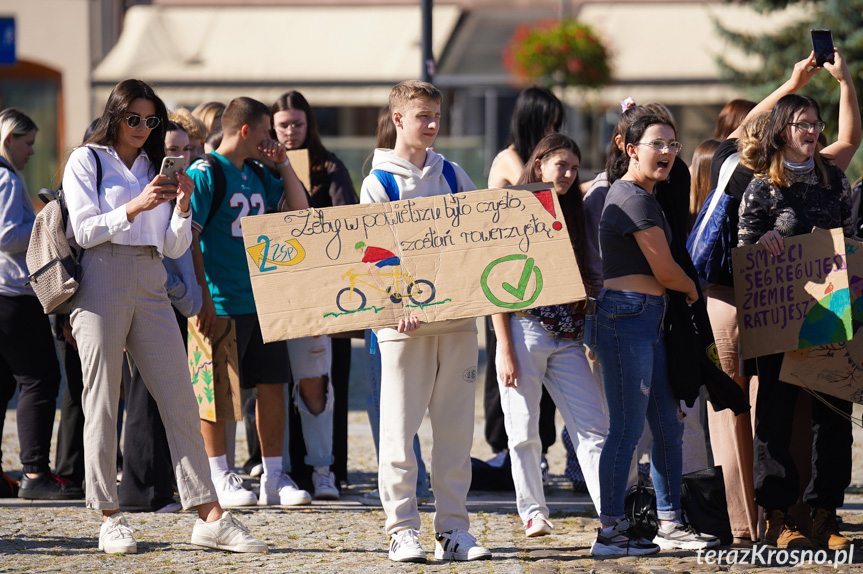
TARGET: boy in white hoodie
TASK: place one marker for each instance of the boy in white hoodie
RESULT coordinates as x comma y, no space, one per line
433,367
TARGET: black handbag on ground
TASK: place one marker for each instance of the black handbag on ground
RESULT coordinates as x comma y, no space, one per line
640,509
702,496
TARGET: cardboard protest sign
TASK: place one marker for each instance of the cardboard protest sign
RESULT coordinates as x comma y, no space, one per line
835,369
797,300
300,162
321,271
214,370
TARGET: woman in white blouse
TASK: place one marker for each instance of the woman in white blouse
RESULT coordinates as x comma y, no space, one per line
126,226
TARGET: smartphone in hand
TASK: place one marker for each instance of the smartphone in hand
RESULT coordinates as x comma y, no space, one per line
822,43
171,166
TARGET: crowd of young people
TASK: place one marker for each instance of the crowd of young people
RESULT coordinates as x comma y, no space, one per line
158,254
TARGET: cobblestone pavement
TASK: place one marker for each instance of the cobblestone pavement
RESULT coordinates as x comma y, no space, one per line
345,536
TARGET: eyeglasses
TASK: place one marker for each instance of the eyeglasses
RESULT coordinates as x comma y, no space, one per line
660,146
818,127
296,126
132,120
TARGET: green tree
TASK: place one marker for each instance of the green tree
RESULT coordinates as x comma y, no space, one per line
781,48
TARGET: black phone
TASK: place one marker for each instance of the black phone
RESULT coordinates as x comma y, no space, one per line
822,43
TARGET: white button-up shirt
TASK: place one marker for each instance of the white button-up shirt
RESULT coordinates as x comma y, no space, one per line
98,216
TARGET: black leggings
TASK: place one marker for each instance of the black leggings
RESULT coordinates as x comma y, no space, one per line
28,359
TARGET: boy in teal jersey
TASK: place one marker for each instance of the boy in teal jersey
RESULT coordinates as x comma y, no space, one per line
222,271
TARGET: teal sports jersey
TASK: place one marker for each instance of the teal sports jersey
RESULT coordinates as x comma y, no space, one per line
222,239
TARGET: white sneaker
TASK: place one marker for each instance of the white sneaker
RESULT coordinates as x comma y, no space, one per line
325,486
227,533
229,489
683,537
405,547
170,507
537,525
458,545
257,470
372,498
115,536
278,488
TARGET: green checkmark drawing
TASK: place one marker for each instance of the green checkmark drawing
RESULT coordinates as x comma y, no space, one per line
518,292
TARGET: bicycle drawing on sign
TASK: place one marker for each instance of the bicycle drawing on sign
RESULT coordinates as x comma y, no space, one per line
395,283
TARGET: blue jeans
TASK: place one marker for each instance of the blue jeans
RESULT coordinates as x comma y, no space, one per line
626,336
373,408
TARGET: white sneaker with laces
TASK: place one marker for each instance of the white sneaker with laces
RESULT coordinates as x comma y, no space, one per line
458,545
229,489
115,536
537,525
278,488
325,486
683,537
405,547
226,533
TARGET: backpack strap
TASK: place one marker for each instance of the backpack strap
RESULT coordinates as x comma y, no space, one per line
219,185
258,169
449,176
391,187
98,169
389,182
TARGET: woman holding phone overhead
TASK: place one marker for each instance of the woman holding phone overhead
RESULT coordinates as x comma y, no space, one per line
797,187
127,224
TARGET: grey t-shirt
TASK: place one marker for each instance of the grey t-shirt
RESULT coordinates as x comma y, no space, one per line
628,208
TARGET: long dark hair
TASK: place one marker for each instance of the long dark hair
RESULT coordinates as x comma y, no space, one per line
319,157
536,110
571,203
774,141
730,118
633,135
108,127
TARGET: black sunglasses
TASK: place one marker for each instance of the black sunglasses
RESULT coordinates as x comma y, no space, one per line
132,120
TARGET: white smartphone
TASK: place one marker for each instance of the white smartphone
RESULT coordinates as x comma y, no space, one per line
170,167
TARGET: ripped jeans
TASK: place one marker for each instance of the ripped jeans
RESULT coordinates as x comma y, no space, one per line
310,357
626,336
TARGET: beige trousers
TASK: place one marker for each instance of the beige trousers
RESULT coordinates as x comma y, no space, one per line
122,304
731,436
437,373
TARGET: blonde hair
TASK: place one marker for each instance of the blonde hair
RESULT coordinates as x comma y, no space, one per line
749,144
208,112
14,123
189,123
402,95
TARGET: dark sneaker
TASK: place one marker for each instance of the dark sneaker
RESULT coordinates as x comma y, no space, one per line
619,543
8,487
782,532
48,486
825,530
683,537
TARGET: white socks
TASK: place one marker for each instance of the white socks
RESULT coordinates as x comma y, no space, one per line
218,465
272,465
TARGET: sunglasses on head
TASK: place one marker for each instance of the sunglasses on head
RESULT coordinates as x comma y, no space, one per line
132,120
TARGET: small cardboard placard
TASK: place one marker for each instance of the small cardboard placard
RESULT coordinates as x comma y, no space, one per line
214,370
322,271
797,300
300,162
835,369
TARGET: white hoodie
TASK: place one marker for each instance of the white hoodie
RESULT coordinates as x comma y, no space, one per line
414,182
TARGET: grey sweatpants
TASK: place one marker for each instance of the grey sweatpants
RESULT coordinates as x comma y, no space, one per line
437,373
122,303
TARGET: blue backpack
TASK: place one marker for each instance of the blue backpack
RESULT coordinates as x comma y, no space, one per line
391,187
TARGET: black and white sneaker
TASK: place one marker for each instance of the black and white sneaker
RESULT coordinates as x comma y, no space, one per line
459,545
405,547
619,543
677,536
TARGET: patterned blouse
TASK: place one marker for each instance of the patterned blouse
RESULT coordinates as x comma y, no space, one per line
796,209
